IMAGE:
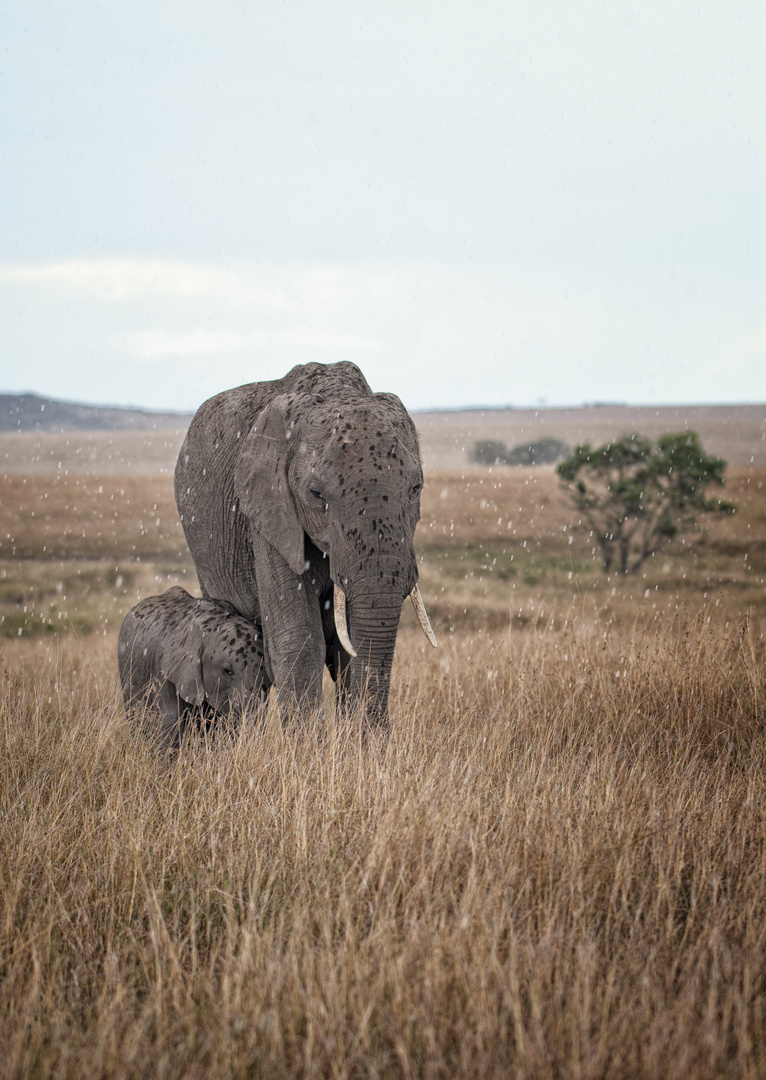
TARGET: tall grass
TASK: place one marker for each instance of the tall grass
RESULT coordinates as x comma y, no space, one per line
555,866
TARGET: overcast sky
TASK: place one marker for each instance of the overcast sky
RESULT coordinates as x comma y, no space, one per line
478,203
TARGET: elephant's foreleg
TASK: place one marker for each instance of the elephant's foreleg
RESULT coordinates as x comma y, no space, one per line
294,644
171,715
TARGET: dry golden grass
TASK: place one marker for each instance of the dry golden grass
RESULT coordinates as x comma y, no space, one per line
495,545
78,551
555,866
505,543
57,516
69,452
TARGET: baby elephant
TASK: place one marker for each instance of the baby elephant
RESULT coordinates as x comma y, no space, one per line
179,655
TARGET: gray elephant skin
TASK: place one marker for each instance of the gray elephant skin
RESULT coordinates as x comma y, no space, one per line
299,500
182,657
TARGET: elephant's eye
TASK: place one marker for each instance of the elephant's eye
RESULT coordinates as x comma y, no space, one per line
316,494
227,669
416,489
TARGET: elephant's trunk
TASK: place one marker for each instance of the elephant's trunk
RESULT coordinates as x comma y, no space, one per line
374,621
373,574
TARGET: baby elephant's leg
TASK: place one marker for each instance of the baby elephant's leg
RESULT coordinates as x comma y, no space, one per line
172,717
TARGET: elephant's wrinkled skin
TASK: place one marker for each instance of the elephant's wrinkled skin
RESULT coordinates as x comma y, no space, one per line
289,488
180,656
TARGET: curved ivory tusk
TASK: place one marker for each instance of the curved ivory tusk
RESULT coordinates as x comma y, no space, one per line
422,614
341,625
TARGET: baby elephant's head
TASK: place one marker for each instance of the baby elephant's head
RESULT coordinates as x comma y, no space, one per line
226,654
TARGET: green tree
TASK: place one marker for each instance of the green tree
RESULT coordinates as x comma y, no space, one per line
636,496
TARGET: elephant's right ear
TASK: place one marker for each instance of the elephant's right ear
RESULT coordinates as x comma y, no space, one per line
182,665
261,482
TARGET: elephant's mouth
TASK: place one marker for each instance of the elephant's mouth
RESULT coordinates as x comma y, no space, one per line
341,623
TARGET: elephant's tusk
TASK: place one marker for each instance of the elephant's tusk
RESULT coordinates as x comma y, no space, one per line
422,614
341,625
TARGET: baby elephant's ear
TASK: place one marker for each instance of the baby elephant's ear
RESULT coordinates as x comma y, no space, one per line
182,666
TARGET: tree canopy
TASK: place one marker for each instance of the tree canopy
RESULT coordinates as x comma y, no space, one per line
636,496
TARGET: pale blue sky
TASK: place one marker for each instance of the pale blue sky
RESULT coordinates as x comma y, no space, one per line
478,203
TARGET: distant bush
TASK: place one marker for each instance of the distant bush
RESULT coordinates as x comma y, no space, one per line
541,452
489,452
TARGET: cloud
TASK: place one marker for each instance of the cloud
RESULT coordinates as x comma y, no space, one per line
123,281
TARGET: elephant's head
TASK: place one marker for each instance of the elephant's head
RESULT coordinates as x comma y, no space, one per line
219,662
348,480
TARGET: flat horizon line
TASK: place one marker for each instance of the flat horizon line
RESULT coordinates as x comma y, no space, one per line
472,408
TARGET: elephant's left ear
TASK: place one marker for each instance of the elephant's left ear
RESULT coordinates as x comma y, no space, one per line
261,482
182,666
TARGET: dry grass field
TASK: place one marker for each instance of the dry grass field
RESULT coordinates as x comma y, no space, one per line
555,866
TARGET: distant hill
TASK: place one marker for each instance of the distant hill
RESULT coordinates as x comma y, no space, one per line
30,412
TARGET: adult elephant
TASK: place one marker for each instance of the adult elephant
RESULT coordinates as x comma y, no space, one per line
299,500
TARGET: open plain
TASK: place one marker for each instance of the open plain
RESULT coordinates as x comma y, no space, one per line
555,865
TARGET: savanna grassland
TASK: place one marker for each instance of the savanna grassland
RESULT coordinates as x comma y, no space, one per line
555,865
